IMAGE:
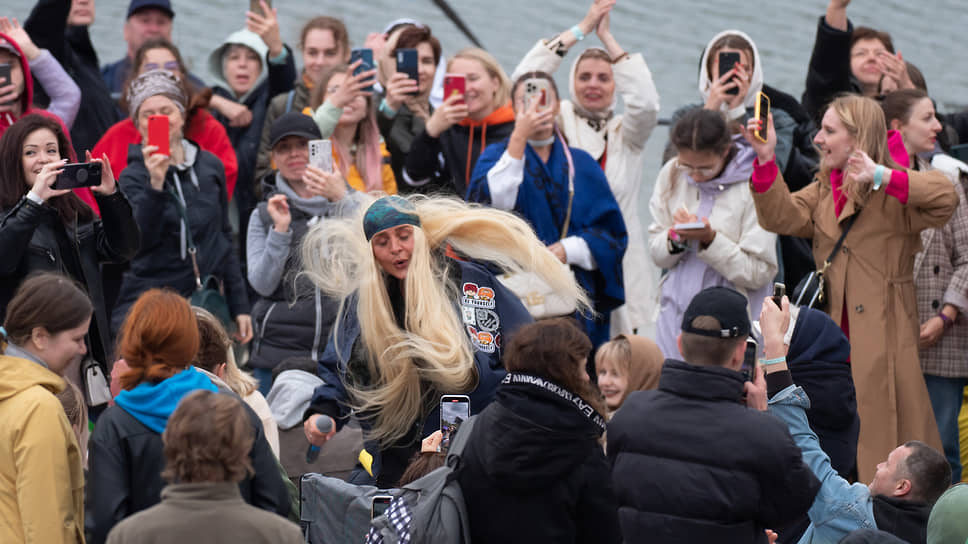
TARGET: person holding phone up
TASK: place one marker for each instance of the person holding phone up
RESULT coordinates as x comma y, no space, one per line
869,284
463,126
616,140
704,230
293,317
158,186
44,228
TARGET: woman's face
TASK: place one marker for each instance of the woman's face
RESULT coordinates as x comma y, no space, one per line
522,102
864,63
481,87
241,66
291,155
321,51
594,84
835,143
40,148
921,131
701,166
392,249
61,349
355,110
426,67
744,58
161,105
612,384
160,58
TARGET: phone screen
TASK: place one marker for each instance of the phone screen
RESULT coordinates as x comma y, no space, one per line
379,505
749,360
762,114
454,410
728,59
158,133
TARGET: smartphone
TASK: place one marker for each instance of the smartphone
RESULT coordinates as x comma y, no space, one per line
779,290
454,84
81,174
321,154
749,360
407,64
366,55
698,225
454,410
379,505
158,133
728,59
763,115
6,80
537,89
255,7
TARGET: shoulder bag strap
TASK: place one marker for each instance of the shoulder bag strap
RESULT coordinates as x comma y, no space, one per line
840,242
188,235
571,182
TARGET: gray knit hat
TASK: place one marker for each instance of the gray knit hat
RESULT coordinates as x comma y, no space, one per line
152,83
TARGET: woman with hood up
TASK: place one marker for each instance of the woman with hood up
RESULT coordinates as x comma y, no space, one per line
707,184
252,66
616,141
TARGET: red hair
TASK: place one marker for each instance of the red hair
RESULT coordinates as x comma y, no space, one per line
159,337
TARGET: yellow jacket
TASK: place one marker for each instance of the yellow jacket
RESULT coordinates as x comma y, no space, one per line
355,180
41,475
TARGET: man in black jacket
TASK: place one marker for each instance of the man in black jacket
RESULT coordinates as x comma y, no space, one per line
690,461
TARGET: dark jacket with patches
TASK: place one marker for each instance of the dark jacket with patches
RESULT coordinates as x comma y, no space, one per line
691,463
490,323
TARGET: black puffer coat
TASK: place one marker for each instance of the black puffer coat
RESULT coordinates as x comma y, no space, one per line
691,463
534,471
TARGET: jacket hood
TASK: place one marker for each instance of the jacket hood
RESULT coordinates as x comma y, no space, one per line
290,395
503,114
737,170
756,82
27,96
594,116
948,522
18,374
240,37
818,362
645,366
153,403
534,437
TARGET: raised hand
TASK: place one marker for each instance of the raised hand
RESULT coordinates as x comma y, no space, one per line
46,177
764,151
278,208
108,185
266,25
451,112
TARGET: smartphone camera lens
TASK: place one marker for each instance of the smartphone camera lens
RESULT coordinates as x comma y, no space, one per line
81,176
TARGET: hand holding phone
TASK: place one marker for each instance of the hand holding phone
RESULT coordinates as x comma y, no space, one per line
779,290
537,90
158,134
366,64
321,154
454,84
379,505
762,115
407,64
695,225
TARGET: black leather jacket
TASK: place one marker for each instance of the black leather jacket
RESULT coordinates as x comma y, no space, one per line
33,238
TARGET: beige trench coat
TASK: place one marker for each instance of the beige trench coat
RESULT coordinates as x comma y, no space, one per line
873,276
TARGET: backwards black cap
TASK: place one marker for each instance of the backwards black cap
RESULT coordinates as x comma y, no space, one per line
723,304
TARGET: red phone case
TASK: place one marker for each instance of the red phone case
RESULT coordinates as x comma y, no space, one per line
158,133
454,83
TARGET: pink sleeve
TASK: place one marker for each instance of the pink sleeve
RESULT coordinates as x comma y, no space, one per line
898,186
764,175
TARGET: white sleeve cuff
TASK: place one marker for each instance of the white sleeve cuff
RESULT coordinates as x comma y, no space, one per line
578,253
503,180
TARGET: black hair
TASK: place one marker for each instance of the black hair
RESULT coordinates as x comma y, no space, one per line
928,470
701,130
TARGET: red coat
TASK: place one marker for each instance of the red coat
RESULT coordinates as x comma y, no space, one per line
204,130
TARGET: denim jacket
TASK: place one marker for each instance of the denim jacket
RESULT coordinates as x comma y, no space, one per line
840,507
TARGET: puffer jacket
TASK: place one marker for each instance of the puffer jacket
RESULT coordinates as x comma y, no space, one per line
691,463
534,471
41,474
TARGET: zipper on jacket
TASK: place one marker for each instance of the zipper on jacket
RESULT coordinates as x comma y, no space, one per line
265,322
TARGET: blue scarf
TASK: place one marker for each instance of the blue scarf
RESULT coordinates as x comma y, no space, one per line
153,403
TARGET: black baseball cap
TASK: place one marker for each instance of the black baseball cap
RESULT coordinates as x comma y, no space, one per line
293,124
138,5
723,304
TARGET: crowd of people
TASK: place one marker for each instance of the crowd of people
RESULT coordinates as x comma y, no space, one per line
209,292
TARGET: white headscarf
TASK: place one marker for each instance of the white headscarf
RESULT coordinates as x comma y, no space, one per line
596,119
756,82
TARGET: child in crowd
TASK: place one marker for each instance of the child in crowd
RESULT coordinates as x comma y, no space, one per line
625,364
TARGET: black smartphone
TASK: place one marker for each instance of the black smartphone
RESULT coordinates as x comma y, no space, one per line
366,55
454,410
6,80
749,360
728,59
379,505
779,290
407,64
81,174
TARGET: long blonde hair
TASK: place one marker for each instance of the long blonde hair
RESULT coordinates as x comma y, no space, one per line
864,120
434,347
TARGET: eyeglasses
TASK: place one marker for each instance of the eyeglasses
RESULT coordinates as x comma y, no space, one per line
704,172
171,66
